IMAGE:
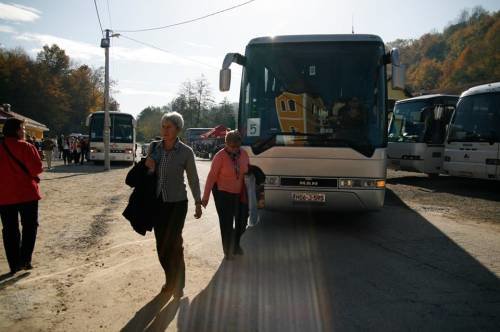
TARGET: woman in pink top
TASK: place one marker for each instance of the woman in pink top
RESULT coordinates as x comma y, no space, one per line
226,181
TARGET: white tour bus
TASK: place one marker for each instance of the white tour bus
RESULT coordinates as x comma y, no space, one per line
312,115
473,144
122,136
417,131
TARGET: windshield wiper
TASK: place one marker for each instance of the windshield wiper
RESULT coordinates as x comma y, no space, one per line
270,141
364,147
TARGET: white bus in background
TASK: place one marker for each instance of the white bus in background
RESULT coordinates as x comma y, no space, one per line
294,97
473,144
417,132
122,137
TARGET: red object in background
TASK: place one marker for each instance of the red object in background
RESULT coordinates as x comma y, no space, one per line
217,132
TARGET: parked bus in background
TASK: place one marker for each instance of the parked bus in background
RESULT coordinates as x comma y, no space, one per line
193,134
417,131
473,144
122,136
312,115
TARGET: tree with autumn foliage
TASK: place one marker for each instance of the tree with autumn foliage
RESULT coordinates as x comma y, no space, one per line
466,53
51,90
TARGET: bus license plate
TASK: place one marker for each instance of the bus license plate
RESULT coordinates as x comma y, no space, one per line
309,197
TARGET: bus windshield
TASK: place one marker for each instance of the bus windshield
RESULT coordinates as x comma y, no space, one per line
477,119
121,128
333,92
407,124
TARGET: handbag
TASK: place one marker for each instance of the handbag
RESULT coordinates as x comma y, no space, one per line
20,164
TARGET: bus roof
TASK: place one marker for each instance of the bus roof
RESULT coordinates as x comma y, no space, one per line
315,38
485,88
111,113
425,97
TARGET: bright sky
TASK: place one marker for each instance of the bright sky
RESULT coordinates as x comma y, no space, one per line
147,76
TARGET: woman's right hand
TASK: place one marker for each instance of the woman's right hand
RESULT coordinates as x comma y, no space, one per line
150,163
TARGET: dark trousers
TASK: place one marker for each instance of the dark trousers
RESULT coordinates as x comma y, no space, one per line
66,157
19,249
76,157
168,234
83,156
232,219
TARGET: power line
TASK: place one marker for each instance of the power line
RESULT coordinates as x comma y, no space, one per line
169,52
109,15
188,21
98,17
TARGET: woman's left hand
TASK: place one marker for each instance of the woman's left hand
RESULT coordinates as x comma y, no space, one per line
198,212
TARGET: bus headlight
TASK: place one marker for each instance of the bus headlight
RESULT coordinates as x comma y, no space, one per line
129,151
361,183
93,150
272,180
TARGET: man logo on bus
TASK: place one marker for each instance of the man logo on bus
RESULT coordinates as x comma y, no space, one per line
466,156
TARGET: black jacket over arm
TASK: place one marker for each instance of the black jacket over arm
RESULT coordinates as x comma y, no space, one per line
141,208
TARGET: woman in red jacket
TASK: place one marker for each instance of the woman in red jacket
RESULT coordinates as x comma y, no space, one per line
226,181
20,166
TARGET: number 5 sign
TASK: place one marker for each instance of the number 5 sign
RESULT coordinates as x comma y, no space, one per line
253,127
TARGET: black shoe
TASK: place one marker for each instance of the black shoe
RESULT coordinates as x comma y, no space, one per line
238,251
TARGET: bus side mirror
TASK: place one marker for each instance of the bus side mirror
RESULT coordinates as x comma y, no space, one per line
225,79
398,70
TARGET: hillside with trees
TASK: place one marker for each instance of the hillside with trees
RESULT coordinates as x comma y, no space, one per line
466,53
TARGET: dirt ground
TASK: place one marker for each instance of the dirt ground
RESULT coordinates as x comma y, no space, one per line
92,272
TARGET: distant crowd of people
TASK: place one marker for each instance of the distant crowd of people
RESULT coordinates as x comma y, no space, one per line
70,149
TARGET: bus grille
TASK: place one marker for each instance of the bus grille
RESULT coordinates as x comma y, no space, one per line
309,182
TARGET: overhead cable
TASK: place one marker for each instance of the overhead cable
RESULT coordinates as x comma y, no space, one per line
166,51
98,17
109,15
188,21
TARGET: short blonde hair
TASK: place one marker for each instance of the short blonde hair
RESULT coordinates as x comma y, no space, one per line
233,136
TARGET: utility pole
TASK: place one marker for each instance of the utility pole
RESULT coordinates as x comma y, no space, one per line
106,43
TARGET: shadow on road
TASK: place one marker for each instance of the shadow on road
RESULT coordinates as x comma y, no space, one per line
466,187
78,170
154,316
8,279
387,270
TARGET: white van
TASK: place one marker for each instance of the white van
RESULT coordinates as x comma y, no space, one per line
473,143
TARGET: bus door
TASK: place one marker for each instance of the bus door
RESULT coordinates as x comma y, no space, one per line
436,121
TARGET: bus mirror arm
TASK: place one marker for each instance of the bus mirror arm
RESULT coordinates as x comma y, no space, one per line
225,72
398,70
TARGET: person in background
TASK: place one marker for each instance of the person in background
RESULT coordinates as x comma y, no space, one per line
19,195
48,148
60,146
170,159
66,151
226,181
78,150
85,148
